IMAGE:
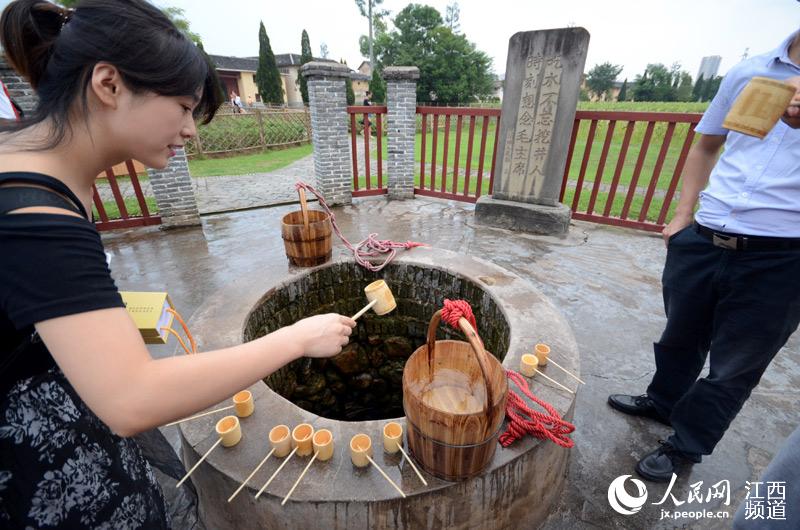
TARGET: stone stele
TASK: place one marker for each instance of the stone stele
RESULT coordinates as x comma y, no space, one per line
543,77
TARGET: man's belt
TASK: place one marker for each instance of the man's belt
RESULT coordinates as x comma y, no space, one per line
744,242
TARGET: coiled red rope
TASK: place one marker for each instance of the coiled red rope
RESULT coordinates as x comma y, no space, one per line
367,248
522,419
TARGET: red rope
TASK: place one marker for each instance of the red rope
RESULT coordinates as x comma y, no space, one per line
367,248
522,419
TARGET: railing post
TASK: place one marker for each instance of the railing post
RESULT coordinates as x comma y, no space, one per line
172,187
401,108
327,99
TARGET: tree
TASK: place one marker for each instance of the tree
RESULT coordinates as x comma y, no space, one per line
305,56
601,78
623,92
658,83
452,70
268,78
323,50
684,92
711,87
367,9
698,90
178,17
348,87
452,15
378,87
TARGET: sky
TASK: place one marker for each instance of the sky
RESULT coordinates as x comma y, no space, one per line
630,33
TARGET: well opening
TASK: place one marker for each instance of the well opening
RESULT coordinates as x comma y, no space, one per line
364,382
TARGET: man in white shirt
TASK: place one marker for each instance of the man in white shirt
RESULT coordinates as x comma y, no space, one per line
731,281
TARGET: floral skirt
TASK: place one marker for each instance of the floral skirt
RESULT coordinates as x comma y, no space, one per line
61,467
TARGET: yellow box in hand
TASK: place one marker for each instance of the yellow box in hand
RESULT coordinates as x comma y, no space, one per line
149,313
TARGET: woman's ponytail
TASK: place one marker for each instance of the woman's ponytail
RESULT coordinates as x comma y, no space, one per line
28,31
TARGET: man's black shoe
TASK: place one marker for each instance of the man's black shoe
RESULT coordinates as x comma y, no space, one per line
660,464
637,406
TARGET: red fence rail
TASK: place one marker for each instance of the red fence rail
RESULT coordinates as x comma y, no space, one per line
125,219
433,161
638,191
371,121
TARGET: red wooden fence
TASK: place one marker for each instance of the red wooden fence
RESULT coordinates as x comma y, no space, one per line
455,185
372,119
125,220
640,188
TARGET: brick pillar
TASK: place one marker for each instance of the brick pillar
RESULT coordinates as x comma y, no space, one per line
327,100
172,187
18,88
401,109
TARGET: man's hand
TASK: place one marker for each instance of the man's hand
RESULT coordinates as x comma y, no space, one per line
678,223
791,116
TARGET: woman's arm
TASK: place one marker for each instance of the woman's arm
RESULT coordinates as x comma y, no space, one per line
105,359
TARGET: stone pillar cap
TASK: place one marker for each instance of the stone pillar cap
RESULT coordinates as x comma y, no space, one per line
397,73
324,69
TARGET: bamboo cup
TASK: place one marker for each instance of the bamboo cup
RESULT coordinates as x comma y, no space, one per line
302,439
528,364
392,437
281,445
322,442
280,440
393,442
230,430
542,351
243,403
302,434
759,106
380,299
360,450
230,433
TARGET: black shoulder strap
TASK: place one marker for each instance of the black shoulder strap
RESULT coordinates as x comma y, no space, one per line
15,197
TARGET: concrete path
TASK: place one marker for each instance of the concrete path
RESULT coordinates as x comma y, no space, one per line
605,280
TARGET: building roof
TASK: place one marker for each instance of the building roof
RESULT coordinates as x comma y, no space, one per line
357,76
250,64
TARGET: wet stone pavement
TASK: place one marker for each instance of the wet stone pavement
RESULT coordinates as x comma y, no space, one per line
605,280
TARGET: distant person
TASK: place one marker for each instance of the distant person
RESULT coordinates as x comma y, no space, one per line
367,103
8,109
731,281
250,102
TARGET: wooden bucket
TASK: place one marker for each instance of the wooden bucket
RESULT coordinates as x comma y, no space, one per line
306,235
454,397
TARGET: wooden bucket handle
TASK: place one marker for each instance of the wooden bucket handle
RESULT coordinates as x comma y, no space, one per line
477,349
303,206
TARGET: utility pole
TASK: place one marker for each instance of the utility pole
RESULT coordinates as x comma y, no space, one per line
371,55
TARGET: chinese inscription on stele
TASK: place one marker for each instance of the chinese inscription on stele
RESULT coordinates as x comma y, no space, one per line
527,146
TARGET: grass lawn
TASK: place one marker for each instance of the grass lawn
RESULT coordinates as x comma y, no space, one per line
245,164
131,204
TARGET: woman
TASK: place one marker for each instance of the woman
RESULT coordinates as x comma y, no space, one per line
116,80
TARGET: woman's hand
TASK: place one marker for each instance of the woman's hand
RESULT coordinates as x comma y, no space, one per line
323,335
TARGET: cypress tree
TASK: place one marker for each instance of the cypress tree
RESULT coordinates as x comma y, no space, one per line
377,87
697,91
348,86
623,92
305,56
268,78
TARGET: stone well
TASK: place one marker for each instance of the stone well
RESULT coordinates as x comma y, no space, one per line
360,390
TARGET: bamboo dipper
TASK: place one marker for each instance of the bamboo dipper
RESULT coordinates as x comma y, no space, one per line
380,299
229,431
